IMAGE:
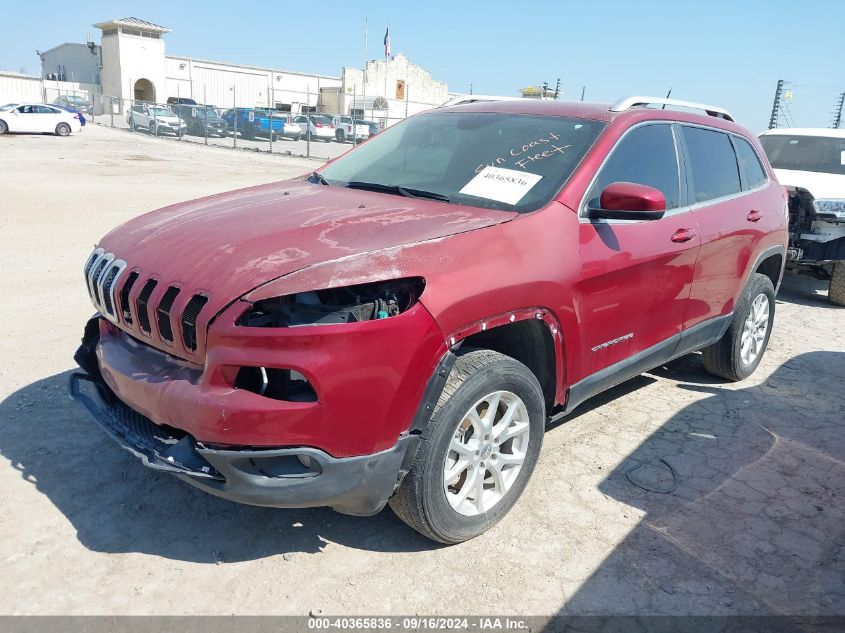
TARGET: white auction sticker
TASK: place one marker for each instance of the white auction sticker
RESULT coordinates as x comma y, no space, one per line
503,185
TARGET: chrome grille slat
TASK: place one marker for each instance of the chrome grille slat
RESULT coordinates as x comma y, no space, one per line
90,267
110,284
98,273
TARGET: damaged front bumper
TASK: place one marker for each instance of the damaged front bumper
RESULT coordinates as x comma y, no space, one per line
283,478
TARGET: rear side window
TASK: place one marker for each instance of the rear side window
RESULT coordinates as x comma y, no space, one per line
646,156
749,163
714,169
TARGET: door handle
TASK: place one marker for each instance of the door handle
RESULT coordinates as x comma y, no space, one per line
683,235
754,216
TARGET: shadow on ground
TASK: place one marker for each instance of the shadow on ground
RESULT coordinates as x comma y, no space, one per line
116,505
744,501
805,291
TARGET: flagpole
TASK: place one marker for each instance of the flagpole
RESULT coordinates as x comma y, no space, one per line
364,74
386,46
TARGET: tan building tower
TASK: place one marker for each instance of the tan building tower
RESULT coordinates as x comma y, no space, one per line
133,59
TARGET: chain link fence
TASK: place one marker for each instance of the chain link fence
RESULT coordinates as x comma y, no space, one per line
312,132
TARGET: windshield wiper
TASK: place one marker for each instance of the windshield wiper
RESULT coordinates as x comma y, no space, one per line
317,179
408,192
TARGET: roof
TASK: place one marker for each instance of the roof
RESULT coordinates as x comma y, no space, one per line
55,48
594,111
278,71
805,131
132,22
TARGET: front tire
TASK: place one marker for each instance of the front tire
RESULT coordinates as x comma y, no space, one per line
477,451
3,128
836,290
738,353
62,129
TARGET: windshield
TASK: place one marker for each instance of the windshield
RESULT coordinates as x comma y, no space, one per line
513,162
161,112
77,100
805,153
321,119
7,106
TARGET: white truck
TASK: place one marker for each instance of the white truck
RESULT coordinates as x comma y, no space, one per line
810,164
344,126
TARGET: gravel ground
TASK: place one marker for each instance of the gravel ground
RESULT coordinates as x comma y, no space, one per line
672,494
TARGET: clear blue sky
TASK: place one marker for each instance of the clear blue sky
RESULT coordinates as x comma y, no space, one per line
729,53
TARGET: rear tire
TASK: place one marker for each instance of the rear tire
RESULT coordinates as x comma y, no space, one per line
433,505
738,353
836,291
62,129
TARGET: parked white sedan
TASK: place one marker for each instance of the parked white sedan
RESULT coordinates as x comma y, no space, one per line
39,118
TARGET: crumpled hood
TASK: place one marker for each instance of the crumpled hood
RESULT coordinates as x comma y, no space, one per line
226,245
820,185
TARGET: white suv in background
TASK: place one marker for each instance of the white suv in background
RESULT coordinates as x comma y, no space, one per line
155,119
810,164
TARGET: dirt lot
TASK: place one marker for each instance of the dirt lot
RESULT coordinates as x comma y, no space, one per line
753,521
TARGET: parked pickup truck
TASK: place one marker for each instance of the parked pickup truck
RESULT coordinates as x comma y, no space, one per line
344,129
264,123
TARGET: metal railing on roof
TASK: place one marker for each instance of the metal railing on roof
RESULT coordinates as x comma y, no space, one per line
632,102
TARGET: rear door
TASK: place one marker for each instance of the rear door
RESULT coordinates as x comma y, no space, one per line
636,275
723,202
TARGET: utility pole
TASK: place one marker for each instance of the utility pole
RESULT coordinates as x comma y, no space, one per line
837,112
583,92
773,119
557,89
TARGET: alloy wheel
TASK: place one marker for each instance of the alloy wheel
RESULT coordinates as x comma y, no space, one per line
486,453
755,329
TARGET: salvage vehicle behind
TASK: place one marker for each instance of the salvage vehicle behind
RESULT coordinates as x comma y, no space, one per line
810,163
407,319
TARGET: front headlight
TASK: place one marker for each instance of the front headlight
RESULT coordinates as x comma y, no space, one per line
350,304
831,210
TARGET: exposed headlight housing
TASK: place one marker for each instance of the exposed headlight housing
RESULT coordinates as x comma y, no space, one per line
349,304
830,210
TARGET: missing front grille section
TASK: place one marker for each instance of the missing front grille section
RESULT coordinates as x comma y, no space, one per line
143,310
163,313
189,321
124,296
278,384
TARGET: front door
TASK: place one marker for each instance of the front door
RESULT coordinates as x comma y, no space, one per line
636,275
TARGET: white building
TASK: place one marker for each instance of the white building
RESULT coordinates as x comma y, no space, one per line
388,89
131,63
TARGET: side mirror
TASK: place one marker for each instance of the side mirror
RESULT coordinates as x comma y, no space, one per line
630,201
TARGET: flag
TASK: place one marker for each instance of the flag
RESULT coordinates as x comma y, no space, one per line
387,43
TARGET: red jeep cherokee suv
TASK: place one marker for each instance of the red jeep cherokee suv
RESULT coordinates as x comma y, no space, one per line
399,326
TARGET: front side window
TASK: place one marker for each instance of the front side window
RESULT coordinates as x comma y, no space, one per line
514,162
749,163
821,154
645,156
713,163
